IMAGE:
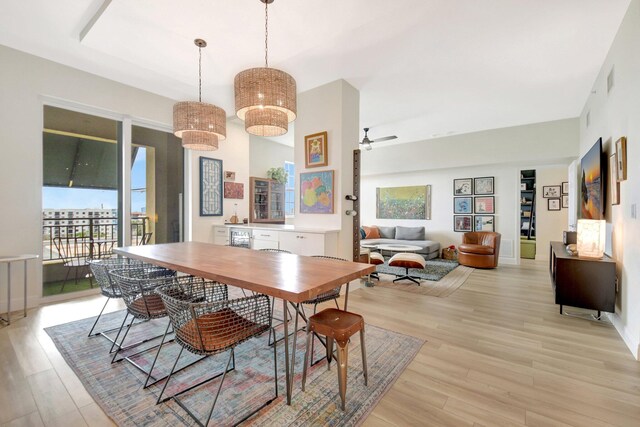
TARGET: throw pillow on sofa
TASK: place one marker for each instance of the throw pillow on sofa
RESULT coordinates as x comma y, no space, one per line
387,232
409,233
371,232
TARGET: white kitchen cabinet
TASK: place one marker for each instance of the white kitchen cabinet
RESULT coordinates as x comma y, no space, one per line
221,236
303,243
264,239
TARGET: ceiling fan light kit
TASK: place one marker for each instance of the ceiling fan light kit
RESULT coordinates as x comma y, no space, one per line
200,125
265,98
366,142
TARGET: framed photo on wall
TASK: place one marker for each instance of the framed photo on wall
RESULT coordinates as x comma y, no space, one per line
484,205
553,204
462,223
615,185
315,150
463,187
462,205
484,222
621,153
210,187
565,188
565,201
483,185
551,191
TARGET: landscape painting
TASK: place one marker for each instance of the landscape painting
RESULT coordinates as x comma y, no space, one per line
591,183
316,192
404,202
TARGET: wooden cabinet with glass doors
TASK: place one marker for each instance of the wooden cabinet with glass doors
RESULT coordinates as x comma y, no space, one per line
266,201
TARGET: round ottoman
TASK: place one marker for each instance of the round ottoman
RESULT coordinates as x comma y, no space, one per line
407,260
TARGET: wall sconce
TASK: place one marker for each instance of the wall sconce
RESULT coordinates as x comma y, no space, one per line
591,238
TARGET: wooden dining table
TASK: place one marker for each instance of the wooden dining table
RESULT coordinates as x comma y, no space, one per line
293,278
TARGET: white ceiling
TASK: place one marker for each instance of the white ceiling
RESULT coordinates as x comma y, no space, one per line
424,68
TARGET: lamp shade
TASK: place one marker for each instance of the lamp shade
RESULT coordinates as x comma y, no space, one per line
591,238
198,140
199,116
270,90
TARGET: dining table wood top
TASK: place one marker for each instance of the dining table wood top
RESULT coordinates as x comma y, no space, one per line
294,278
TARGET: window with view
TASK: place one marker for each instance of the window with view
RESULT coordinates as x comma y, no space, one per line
289,188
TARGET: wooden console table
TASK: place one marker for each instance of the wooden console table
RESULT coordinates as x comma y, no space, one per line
582,282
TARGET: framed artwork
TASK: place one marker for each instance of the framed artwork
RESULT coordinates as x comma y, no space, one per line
315,150
316,192
210,187
615,185
621,152
565,201
551,191
483,185
463,187
462,223
229,176
484,222
553,204
462,205
565,188
233,190
484,205
412,202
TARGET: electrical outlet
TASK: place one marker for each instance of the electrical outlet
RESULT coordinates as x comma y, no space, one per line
634,213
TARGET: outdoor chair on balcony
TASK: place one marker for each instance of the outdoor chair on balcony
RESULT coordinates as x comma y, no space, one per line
146,238
72,256
206,326
100,269
137,286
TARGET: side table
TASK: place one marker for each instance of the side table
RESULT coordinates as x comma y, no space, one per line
8,260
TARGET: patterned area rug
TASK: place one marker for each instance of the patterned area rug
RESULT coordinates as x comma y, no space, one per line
449,277
117,388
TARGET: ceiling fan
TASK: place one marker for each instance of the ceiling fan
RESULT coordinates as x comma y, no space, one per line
366,142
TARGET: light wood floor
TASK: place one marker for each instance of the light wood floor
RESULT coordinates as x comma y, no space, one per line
497,353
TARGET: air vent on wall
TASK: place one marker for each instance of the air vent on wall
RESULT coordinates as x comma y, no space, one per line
610,80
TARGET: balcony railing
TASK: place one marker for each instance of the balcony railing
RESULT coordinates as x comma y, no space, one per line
87,237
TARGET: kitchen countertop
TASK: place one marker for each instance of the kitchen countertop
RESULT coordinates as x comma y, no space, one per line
280,227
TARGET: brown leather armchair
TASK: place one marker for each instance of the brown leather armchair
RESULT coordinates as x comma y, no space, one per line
479,249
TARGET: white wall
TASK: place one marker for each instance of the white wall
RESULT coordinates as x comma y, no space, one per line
334,108
501,153
614,115
266,154
549,224
24,79
234,153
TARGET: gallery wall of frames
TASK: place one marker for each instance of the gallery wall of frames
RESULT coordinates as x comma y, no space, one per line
474,204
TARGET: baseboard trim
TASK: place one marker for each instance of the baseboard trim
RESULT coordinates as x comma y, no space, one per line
509,261
632,344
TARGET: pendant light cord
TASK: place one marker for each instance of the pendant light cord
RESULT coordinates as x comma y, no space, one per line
266,34
199,74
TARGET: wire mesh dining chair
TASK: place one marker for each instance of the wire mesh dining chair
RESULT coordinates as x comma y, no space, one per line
100,269
206,326
138,286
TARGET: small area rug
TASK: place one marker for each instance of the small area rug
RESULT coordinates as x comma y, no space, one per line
440,277
117,388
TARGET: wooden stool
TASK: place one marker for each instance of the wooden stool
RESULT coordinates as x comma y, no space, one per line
336,325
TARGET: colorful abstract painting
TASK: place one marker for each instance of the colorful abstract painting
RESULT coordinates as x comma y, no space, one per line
316,192
591,183
404,202
233,190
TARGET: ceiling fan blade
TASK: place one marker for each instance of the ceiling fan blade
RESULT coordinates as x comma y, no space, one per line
384,138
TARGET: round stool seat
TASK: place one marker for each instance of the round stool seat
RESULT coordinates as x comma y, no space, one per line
376,258
407,260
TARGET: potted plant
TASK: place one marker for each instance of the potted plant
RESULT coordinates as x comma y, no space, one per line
278,174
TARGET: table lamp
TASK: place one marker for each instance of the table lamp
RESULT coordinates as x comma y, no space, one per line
591,238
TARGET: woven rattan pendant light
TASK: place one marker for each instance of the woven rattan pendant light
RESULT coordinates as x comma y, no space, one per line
200,125
265,97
